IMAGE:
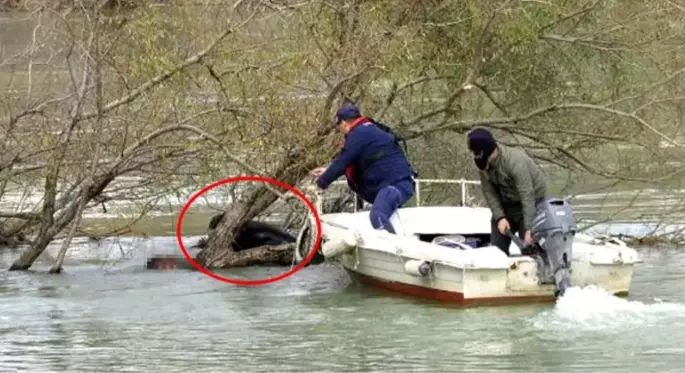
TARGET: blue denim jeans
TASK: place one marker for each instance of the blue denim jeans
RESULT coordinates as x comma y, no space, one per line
388,200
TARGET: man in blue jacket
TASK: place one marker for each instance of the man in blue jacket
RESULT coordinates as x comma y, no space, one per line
375,166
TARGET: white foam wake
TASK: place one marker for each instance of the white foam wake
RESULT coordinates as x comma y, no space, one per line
594,309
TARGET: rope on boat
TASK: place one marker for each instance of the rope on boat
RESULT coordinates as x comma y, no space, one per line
297,256
305,238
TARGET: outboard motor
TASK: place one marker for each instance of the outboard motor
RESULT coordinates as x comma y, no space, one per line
554,228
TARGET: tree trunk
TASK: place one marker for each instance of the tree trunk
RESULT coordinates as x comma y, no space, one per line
48,232
57,267
219,253
263,255
45,234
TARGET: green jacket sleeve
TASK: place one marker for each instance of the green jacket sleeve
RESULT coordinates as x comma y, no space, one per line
524,186
491,196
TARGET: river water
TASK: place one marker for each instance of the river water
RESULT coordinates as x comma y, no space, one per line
113,316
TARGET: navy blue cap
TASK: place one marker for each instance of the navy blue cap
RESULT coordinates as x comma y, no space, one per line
346,112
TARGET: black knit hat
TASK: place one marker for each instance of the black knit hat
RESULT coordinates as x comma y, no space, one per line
481,143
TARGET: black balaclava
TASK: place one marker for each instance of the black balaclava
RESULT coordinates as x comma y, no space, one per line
482,144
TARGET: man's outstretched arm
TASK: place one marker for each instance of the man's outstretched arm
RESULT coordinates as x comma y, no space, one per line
349,154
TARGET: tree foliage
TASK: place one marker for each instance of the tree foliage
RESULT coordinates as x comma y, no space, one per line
178,94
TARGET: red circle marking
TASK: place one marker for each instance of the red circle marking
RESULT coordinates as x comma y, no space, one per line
236,179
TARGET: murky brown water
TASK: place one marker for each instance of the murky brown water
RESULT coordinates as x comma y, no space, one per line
120,318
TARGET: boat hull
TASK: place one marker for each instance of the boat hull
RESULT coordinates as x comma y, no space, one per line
516,284
410,262
444,296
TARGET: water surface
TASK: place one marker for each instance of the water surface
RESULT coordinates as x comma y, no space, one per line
120,318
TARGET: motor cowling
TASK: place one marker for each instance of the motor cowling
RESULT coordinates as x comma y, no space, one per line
553,230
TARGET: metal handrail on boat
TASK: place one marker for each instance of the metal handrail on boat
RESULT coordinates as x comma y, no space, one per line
317,195
463,182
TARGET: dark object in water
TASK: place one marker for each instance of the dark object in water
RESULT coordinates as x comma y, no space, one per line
254,234
215,221
169,262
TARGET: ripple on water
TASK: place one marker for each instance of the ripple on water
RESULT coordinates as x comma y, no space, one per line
590,327
86,321
594,309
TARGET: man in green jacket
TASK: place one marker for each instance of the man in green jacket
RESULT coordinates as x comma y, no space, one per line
512,185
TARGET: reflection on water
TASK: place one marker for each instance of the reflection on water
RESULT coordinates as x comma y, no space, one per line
120,318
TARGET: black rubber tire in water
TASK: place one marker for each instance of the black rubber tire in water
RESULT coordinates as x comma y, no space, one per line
306,244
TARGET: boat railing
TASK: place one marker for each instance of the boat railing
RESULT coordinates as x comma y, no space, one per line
464,184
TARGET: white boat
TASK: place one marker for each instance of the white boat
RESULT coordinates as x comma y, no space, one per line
435,254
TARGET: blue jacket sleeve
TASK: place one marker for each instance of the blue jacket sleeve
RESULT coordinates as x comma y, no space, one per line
349,154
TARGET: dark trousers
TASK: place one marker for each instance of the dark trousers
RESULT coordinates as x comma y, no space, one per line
388,200
514,215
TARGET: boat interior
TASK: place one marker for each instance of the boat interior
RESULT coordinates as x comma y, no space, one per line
443,225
